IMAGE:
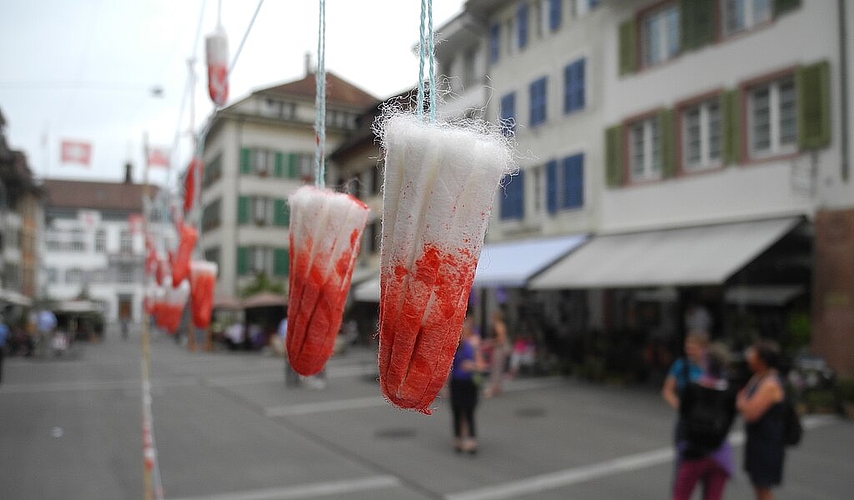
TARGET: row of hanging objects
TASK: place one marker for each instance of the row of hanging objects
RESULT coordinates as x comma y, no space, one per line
216,51
440,181
325,232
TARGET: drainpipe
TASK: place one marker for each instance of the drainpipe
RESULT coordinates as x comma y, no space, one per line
843,88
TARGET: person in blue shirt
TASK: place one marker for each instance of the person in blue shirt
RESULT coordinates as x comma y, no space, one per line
680,375
4,335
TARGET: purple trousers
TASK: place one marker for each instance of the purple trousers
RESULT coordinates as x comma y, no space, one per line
705,469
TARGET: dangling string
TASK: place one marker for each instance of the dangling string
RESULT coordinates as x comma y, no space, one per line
425,52
320,101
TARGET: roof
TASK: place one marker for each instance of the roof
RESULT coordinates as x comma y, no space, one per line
94,195
338,91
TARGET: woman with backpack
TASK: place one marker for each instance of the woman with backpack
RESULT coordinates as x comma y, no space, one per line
762,405
707,410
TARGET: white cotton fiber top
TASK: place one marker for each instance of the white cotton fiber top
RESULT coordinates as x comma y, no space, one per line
439,186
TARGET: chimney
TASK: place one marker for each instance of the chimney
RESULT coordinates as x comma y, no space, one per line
308,63
128,173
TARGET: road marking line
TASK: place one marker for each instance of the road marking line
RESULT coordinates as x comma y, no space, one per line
308,490
324,406
83,385
628,463
236,380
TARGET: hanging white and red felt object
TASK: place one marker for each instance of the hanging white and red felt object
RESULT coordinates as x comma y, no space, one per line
325,233
194,171
216,50
181,259
439,186
202,282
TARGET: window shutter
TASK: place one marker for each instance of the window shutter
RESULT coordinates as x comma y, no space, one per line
667,138
555,14
522,25
573,181
731,105
697,18
293,168
280,164
551,186
242,261
519,195
813,87
783,6
628,47
282,213
243,210
280,262
614,156
245,161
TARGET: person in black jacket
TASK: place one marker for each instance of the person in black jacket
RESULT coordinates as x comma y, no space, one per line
707,410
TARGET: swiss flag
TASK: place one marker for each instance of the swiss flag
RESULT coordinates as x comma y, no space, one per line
76,152
158,157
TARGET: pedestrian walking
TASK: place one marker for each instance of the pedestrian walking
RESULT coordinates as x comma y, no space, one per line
500,349
707,410
761,404
464,388
4,335
46,324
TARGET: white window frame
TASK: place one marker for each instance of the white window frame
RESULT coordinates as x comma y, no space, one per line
261,211
261,260
538,186
650,137
776,147
125,242
749,14
706,160
262,161
659,17
101,240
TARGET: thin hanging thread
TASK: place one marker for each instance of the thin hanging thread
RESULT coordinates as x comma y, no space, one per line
425,53
320,101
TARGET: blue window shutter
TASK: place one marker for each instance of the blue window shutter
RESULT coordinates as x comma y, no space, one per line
579,83
522,25
507,114
512,204
573,76
494,43
573,181
551,186
555,14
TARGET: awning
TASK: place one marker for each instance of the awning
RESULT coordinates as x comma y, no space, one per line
506,264
702,255
16,298
367,291
511,264
763,295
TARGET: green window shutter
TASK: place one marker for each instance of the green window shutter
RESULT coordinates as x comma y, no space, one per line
282,213
697,23
280,261
614,156
731,106
242,261
813,88
243,210
245,161
667,142
783,6
280,164
628,47
293,168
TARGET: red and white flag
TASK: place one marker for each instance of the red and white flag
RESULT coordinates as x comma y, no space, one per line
158,157
75,152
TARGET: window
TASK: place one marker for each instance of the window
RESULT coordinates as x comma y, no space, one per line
100,275
739,15
701,135
660,35
555,14
507,114
306,166
78,242
126,242
511,37
573,86
260,211
212,171
469,69
644,150
537,184
262,161
260,260
101,241
74,275
522,25
126,273
772,118
565,183
494,43
513,203
592,4
539,102
211,215
52,275
213,255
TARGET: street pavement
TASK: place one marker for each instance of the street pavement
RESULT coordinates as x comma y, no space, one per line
227,427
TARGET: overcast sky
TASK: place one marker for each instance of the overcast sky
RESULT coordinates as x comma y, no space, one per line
83,69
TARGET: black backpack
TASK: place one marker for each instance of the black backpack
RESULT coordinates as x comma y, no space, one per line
707,419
